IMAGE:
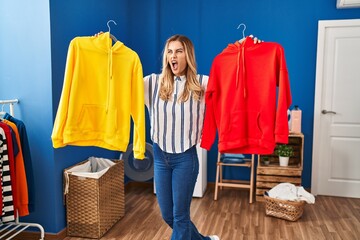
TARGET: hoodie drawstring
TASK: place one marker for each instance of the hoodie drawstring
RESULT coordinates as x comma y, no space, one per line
243,70
241,55
237,68
109,78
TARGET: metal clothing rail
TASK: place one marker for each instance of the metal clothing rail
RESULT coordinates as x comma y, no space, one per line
11,229
11,104
9,101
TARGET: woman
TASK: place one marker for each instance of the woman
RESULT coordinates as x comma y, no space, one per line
176,105
175,101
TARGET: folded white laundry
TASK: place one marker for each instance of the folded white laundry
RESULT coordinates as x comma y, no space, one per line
288,191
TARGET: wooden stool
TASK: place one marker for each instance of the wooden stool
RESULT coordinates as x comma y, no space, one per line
220,182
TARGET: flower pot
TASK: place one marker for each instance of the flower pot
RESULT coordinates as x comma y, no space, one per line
284,161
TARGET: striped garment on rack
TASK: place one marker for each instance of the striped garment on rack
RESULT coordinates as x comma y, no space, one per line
7,195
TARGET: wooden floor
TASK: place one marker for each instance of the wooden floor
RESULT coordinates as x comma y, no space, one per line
231,217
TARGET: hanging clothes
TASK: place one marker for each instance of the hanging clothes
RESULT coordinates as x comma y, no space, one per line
25,150
242,102
103,87
21,187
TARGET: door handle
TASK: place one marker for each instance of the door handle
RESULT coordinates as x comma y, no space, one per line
326,112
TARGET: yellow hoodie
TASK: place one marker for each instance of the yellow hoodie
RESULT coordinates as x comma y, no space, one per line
103,86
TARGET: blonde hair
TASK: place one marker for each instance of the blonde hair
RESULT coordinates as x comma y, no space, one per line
192,85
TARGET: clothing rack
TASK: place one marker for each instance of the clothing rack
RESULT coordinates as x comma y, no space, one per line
11,104
11,229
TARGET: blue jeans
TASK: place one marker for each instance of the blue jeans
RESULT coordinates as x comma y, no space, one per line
175,177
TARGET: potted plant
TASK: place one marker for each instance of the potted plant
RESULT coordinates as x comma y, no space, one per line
265,160
284,152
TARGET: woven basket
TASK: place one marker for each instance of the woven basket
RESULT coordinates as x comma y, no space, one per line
288,210
95,205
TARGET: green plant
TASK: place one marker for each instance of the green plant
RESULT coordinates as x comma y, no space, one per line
284,150
265,160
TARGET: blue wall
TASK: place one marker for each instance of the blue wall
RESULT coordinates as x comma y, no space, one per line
33,45
25,73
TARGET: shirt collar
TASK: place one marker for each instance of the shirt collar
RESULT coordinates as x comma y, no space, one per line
181,78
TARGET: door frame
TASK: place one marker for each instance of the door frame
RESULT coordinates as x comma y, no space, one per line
319,83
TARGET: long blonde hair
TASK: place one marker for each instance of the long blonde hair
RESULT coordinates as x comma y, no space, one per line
192,85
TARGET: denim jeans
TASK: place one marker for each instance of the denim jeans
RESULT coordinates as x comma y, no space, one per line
175,177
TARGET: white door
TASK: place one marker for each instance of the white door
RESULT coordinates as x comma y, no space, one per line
336,143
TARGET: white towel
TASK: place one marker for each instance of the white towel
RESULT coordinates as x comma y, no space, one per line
288,191
304,195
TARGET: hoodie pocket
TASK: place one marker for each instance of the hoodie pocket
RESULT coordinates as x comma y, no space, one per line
241,125
95,118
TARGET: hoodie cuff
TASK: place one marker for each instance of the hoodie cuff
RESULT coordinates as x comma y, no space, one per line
282,138
139,155
206,145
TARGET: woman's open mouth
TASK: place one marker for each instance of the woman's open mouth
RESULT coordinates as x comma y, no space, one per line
174,65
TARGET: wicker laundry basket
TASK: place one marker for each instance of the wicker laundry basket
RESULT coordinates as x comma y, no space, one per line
93,206
288,210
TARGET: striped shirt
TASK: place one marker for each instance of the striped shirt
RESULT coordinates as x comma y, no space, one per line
8,214
175,126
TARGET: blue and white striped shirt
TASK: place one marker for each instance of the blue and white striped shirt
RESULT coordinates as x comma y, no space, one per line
175,126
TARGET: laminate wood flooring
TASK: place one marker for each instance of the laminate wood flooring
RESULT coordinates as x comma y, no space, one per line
231,217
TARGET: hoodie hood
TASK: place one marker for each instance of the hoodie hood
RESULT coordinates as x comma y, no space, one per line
239,48
104,42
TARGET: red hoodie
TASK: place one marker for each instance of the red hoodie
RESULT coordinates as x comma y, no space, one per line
243,102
